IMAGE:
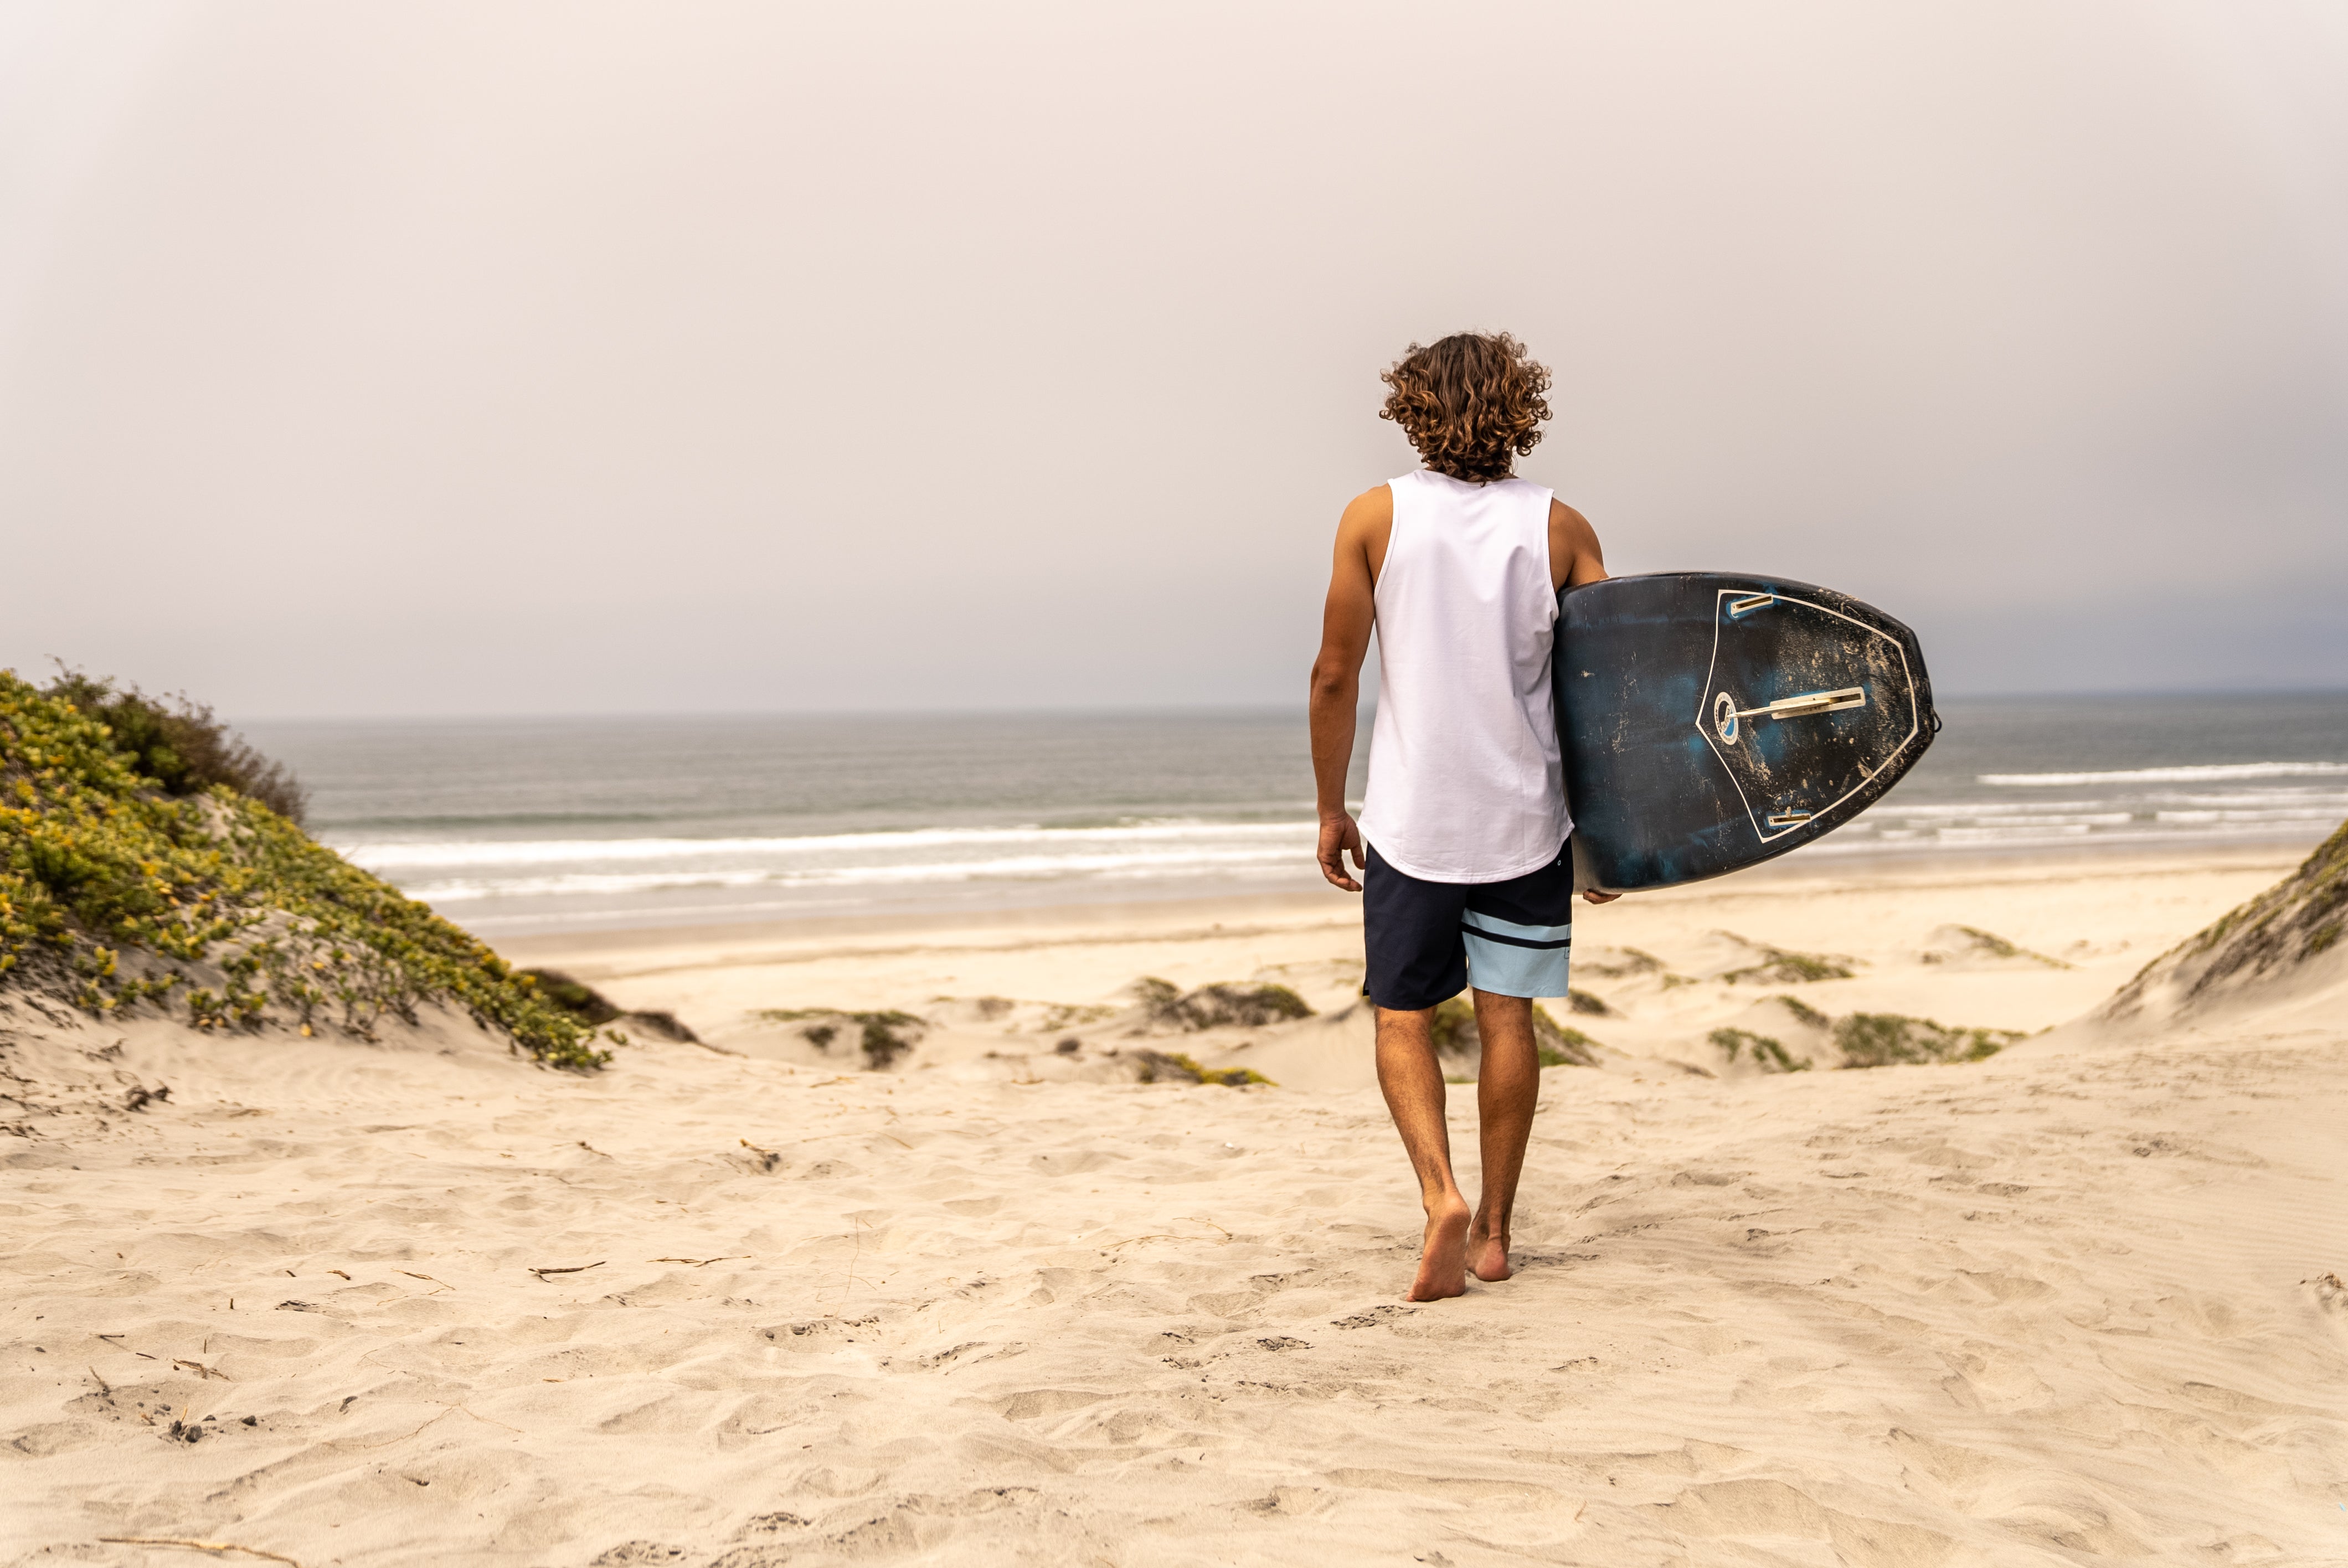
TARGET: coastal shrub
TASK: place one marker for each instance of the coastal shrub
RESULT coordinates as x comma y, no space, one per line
1172,1066
580,1001
1803,1012
1583,1003
1225,1004
1770,1054
1245,1006
1632,962
886,1036
594,1008
1161,1000
883,1036
2298,918
1453,1027
1559,1045
1992,944
1782,967
1884,1040
180,743
661,1022
1555,1045
113,887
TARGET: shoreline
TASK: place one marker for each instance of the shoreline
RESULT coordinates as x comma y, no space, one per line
809,935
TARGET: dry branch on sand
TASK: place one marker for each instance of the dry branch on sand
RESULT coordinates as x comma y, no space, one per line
212,1546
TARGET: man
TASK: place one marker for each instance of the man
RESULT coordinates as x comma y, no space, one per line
1462,844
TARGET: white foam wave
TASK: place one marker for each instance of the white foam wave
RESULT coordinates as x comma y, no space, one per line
2270,814
1990,838
2002,834
2007,816
2202,773
453,854
1022,867
2331,800
1986,808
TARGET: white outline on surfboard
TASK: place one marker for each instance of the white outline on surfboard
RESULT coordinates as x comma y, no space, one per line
1915,718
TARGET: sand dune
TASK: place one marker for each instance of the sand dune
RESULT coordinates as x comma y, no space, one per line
2069,1304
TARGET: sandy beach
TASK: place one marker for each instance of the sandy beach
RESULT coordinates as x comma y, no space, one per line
748,1302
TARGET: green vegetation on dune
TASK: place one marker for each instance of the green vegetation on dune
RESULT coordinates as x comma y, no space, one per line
1173,1066
130,857
1454,1027
1884,1039
1864,1040
1631,963
1225,1004
1804,1011
1770,1054
591,1007
883,1036
2298,920
180,743
1560,1045
1783,966
1455,1035
580,999
1998,947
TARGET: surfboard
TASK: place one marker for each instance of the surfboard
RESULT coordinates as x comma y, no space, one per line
1711,721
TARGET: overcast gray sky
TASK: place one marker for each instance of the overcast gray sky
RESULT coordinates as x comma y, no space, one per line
476,357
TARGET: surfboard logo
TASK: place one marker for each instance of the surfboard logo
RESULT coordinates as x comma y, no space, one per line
1840,706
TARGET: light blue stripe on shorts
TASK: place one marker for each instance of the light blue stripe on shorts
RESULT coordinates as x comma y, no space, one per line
1512,960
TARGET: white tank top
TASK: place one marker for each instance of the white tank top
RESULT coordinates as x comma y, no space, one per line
1465,782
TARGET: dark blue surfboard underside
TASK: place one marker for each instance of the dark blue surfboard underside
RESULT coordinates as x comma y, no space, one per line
1678,767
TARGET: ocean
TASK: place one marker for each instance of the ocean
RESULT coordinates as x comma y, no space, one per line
521,825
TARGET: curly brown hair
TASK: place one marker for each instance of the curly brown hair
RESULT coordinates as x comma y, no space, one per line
1470,403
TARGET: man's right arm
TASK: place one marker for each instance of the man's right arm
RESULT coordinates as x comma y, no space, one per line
1574,556
1347,620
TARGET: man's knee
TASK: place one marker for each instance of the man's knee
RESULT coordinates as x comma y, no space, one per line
1494,1004
1406,1024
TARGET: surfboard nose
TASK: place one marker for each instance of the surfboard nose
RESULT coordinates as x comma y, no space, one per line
1804,705
1712,720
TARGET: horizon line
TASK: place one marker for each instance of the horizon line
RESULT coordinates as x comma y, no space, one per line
1169,709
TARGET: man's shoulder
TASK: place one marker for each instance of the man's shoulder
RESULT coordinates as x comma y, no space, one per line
1371,508
1565,522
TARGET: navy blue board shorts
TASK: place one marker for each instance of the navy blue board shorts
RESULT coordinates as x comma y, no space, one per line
1428,941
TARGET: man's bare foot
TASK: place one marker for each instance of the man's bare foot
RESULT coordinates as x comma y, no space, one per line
1443,1257
1488,1256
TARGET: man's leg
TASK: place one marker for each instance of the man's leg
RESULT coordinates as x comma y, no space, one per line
1412,1080
1519,939
1507,1087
